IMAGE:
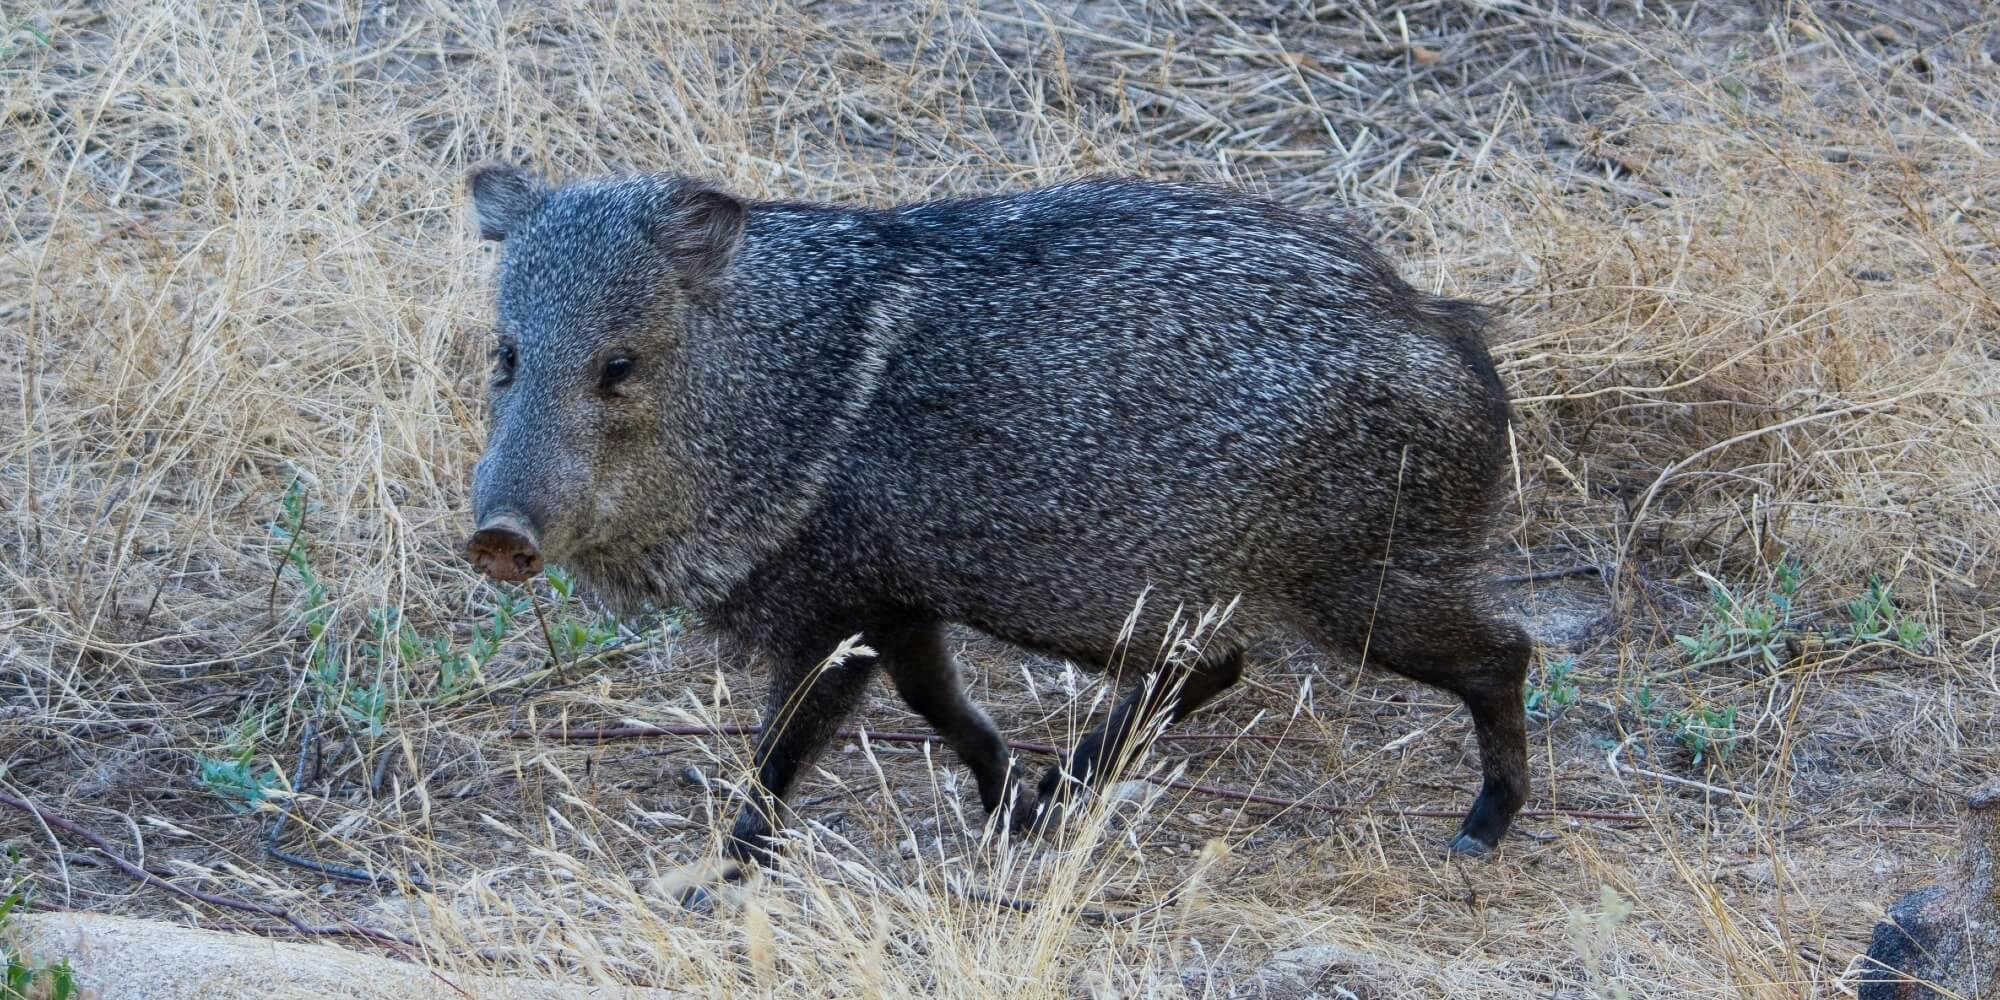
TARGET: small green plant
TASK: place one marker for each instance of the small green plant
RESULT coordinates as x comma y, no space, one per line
323,667
27,979
1705,731
1644,699
1556,691
236,778
1761,626
1875,618
1790,578
367,707
1738,628
573,638
401,654
11,31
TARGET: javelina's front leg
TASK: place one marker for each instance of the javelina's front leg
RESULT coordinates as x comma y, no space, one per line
926,675
1173,695
807,705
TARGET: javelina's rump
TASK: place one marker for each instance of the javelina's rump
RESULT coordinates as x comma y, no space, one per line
1019,413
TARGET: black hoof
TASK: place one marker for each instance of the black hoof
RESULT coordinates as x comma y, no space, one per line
1024,819
1468,846
704,899
697,899
1054,798
749,851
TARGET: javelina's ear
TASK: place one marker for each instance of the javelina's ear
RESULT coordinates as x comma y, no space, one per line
702,232
502,196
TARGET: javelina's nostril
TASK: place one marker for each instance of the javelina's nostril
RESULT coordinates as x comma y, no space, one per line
504,549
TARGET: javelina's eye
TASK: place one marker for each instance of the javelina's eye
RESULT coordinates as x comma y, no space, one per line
503,364
616,368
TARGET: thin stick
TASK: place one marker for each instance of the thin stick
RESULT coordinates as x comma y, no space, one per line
1337,810
638,732
118,861
738,729
278,572
342,872
1094,914
555,662
1553,574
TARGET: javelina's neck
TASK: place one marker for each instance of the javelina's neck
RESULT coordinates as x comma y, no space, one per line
783,364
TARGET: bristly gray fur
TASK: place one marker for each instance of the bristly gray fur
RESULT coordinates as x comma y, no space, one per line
1017,413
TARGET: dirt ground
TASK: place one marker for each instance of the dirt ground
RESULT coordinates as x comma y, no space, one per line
1747,257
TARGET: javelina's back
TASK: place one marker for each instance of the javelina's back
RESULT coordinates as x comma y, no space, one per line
1022,413
1105,387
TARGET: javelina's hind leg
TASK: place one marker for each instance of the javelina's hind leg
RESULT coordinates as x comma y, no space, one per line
806,706
1500,722
1436,635
926,675
1175,694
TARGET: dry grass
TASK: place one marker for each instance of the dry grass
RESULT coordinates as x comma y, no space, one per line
1752,271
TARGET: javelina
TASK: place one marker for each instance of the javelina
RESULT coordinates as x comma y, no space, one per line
1016,413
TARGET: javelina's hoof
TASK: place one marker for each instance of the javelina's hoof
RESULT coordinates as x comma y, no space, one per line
1025,818
749,843
697,899
705,899
697,886
748,855
1468,846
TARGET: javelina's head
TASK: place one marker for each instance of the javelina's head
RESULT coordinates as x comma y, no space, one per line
599,284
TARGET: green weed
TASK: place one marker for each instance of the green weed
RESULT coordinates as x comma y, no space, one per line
236,778
1704,731
1555,692
1874,617
410,665
1761,626
27,979
1707,732
13,30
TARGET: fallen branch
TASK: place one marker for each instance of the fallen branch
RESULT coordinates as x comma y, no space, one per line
1337,810
1552,574
330,870
272,910
1092,913
639,733
602,656
738,729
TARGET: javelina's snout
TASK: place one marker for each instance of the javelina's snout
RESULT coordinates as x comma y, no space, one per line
504,548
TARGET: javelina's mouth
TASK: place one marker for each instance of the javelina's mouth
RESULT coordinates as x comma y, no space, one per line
504,549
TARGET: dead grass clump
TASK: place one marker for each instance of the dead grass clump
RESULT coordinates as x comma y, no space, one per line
1767,334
